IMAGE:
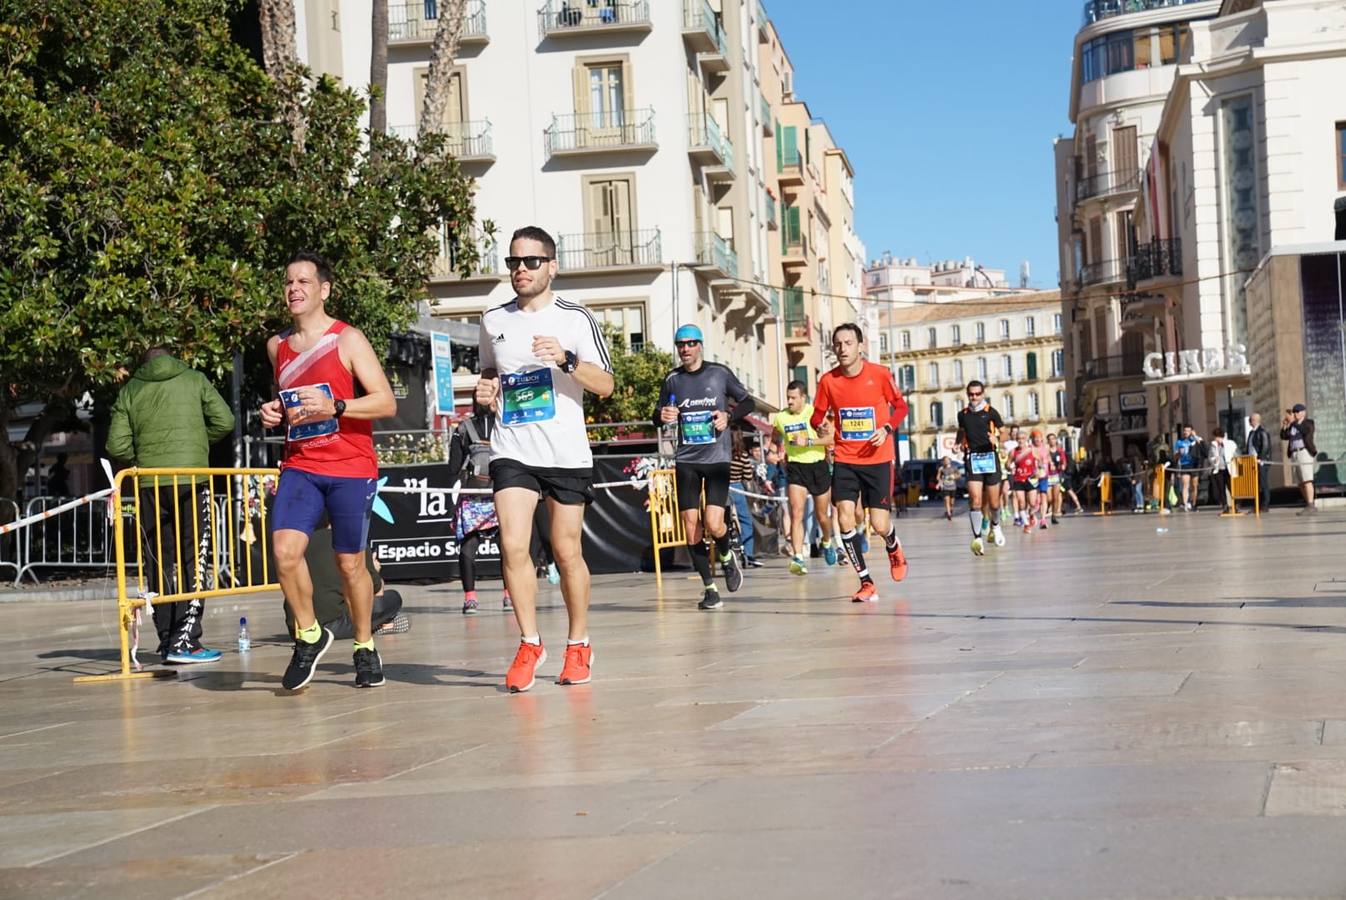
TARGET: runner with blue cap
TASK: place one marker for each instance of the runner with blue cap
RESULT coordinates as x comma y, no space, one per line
697,397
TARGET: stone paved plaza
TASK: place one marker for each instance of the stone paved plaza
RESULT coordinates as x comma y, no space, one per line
1096,711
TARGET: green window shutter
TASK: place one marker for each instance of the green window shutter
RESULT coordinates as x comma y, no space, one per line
780,144
792,229
789,144
1032,367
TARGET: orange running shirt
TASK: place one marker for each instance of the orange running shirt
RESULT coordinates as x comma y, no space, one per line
859,406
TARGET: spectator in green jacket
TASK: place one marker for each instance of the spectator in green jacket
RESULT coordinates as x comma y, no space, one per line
167,416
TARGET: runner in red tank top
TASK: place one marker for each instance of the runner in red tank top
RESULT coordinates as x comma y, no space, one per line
858,403
330,468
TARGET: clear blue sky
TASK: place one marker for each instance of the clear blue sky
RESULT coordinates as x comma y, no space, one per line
947,110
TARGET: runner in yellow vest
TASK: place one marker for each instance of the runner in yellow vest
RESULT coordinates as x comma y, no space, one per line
806,473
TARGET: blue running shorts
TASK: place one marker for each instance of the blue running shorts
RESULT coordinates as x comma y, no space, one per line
302,498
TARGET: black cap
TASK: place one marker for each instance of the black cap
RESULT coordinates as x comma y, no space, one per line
1299,407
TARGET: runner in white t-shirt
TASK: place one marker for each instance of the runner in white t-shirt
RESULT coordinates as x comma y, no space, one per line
539,354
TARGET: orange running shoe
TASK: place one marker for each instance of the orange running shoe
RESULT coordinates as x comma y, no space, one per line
579,661
524,668
867,593
897,563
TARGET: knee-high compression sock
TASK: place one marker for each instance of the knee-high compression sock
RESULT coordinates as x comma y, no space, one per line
890,540
701,561
976,517
722,545
852,541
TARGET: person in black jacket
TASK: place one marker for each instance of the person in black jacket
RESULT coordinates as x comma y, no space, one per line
1259,446
1297,431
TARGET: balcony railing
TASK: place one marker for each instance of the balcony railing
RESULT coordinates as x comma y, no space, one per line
609,250
567,16
798,328
713,250
450,253
600,131
1098,10
771,212
1154,260
704,132
1111,367
463,140
774,296
1107,183
768,124
418,20
1100,272
702,28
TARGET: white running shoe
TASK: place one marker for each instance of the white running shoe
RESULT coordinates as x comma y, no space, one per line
978,548
998,536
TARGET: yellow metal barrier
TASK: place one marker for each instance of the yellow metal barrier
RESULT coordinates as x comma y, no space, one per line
1244,484
187,519
665,519
1104,493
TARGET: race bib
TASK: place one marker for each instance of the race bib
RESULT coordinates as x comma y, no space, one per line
984,463
795,427
527,397
698,427
857,423
1053,480
307,430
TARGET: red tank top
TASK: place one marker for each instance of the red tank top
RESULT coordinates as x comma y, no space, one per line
341,448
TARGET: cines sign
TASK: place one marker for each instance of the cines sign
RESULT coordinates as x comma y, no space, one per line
1192,365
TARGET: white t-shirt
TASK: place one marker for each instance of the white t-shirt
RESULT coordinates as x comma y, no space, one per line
541,412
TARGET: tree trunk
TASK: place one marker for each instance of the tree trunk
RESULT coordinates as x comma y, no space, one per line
442,52
280,57
378,71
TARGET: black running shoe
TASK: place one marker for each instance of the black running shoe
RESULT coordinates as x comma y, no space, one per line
368,668
305,661
710,600
733,572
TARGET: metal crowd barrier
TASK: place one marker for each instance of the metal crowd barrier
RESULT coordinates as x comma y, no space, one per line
193,533
10,557
1245,483
75,538
665,520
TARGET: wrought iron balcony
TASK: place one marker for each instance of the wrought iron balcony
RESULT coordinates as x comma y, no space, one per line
487,264
417,21
1100,272
1098,10
464,140
713,250
706,140
1111,367
609,250
557,18
1106,184
1156,259
601,131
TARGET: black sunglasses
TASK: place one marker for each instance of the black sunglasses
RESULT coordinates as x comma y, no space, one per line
532,262
687,343
972,396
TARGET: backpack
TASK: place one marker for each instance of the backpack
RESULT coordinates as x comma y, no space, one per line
477,465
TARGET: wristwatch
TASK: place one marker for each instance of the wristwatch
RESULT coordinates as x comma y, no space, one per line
888,427
339,408
570,363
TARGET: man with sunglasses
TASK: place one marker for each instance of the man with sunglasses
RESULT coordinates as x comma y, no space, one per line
539,354
697,396
979,427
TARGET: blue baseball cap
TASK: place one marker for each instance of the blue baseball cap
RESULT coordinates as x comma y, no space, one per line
688,333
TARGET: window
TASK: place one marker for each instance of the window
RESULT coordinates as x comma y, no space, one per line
1058,362
610,214
1007,366
628,320
958,373
787,146
883,343
1007,405
1060,404
937,414
605,99
1341,156
906,378
1030,326
956,334
932,337
932,375
981,332
1004,329
983,370
1031,359
1056,323
910,422
1034,406
906,340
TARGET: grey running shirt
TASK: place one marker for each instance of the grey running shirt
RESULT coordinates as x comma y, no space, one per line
698,395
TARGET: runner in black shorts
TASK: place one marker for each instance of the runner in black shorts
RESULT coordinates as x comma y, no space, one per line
979,434
695,396
807,473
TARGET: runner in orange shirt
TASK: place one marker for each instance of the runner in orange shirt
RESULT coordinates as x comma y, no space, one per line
860,407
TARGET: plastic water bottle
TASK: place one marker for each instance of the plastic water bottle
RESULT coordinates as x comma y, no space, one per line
244,642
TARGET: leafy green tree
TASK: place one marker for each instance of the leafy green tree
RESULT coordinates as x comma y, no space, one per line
151,190
639,375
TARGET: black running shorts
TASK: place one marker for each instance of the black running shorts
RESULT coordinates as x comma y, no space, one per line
690,477
568,487
814,477
871,485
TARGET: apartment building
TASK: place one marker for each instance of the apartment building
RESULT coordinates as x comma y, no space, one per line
1242,225
1125,61
1013,344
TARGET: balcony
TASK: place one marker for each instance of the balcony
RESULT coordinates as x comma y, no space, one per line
702,30
763,23
794,251
1098,10
771,213
768,124
790,172
467,142
715,253
1107,184
1111,367
798,330
1101,272
609,250
560,18
416,23
1155,260
485,268
708,146
600,132
774,298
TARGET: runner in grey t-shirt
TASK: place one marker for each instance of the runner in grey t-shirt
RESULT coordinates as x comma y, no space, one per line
696,397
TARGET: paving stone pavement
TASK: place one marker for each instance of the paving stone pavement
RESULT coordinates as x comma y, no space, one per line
1099,710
